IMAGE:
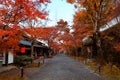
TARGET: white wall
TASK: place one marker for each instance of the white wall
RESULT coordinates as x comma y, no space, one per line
3,57
10,58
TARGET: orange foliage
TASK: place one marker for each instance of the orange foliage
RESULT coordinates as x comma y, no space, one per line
49,34
2,32
34,32
90,16
10,38
81,31
96,13
56,47
62,24
13,12
71,1
22,10
81,17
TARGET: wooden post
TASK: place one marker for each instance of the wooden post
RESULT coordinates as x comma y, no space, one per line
42,58
22,71
99,68
39,64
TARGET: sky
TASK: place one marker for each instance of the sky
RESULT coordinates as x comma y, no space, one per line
60,9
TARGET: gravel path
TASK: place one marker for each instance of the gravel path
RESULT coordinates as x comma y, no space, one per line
62,67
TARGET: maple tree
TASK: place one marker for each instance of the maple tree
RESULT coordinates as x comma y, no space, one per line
56,47
95,14
33,20
68,43
21,10
81,29
25,13
49,34
91,15
61,25
71,41
65,38
10,37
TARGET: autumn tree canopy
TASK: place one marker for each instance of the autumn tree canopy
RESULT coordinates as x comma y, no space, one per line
10,38
93,12
23,13
90,16
16,11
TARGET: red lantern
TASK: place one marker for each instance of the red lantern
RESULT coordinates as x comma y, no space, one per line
23,50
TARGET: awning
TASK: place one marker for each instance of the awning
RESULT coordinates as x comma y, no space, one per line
28,43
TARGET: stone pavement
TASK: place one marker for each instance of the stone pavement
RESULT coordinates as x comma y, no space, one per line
7,68
62,67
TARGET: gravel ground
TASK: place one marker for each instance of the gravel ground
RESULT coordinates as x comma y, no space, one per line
62,67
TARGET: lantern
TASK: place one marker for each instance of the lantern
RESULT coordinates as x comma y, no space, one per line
23,50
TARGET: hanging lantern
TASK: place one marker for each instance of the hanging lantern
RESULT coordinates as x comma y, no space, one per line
23,50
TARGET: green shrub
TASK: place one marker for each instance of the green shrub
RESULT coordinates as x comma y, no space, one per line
22,60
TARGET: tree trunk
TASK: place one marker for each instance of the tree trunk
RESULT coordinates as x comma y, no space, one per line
6,59
94,46
32,50
76,52
97,37
111,65
99,51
